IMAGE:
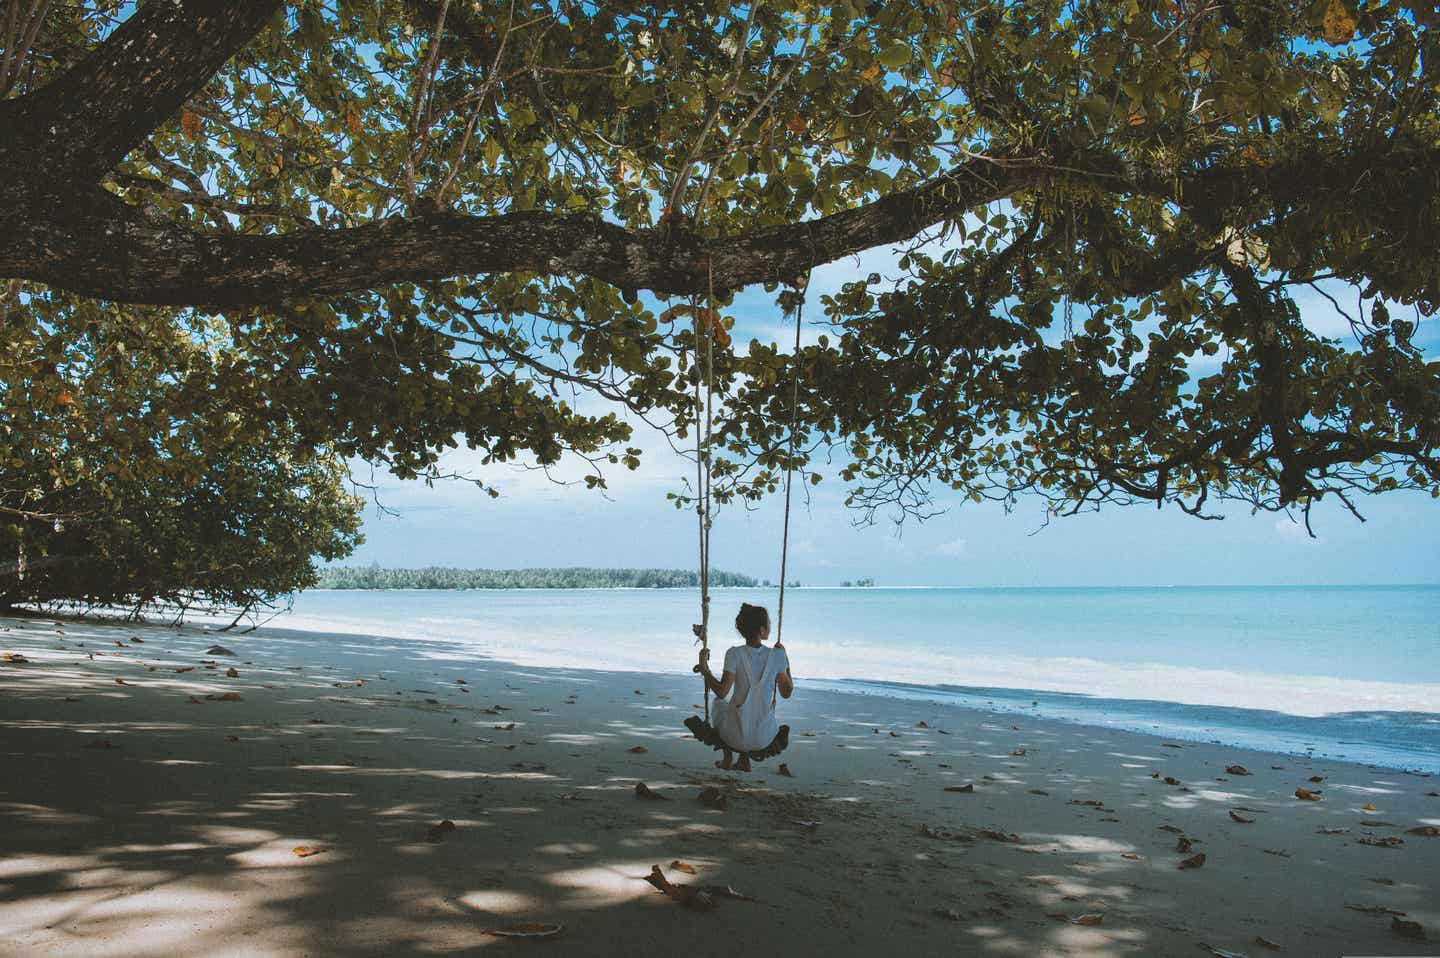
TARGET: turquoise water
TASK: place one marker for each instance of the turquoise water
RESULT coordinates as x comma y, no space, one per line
1350,672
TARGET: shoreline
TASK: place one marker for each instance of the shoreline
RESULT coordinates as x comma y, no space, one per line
180,836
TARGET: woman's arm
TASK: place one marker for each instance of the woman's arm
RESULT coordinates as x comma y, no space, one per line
721,686
785,681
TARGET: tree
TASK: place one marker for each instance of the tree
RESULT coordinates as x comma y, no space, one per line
1110,207
142,467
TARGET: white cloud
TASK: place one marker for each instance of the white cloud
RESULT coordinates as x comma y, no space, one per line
957,548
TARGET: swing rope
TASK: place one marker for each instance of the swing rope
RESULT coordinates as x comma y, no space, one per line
790,461
703,335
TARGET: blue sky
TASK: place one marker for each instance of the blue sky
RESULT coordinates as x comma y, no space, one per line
538,523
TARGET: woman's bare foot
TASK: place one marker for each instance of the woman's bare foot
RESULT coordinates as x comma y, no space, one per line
725,764
743,765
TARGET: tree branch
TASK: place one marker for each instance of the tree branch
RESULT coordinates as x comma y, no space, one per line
84,122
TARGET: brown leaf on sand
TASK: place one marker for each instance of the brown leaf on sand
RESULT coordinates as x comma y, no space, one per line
687,895
685,867
1183,844
1373,909
232,738
922,724
960,788
1317,779
784,770
639,750
15,658
1429,831
999,836
645,791
100,743
1132,856
1222,953
1237,817
232,673
712,797
1367,807
225,697
119,643
526,929
1389,841
1305,795
1322,830
150,669
137,640
1171,780
186,668
306,851
1176,829
1170,745
437,832
1237,770
121,682
1091,802
1194,861
194,701
1407,929
1264,942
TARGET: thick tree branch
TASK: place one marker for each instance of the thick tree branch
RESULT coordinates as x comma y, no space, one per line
80,125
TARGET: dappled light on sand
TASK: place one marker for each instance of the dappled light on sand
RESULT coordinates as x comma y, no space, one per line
301,821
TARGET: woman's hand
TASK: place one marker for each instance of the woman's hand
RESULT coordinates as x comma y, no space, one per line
703,667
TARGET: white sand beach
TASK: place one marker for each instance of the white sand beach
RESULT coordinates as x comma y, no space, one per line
142,812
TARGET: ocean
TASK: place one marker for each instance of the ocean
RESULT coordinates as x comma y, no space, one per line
1348,673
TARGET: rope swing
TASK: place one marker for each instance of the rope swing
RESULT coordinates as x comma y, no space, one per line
704,344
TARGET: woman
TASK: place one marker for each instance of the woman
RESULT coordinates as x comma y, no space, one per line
744,723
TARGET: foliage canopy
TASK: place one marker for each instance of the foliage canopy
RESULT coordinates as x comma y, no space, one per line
435,218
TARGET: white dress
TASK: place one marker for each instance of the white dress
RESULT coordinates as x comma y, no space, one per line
746,720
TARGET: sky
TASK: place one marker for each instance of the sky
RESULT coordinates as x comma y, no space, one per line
536,522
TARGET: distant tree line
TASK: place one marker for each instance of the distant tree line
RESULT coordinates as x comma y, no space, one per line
440,577
858,584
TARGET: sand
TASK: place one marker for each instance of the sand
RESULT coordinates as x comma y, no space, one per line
142,814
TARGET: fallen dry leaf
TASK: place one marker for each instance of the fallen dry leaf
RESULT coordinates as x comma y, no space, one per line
1194,861
137,640
1237,817
1264,942
784,770
150,669
922,724
1170,745
712,797
1429,831
687,895
16,658
306,851
685,867
1322,830
960,788
121,682
526,929
1317,779
1091,802
1367,807
1407,929
1171,780
1132,856
1172,828
1237,770
232,673
645,791
1389,841
1373,909
999,836
1183,844
1305,795
439,831
639,750
226,697
1018,752
186,668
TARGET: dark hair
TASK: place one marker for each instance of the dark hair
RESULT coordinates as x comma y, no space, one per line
750,620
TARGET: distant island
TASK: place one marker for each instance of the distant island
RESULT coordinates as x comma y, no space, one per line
439,577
